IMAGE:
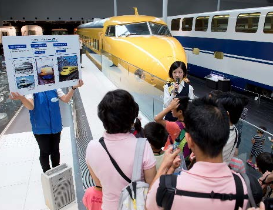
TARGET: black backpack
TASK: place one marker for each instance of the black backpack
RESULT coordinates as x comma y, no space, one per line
167,190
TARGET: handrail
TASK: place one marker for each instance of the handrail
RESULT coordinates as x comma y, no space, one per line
270,134
245,90
259,95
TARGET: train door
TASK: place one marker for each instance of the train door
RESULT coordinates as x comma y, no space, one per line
109,34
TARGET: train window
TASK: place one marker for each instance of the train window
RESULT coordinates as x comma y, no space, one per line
175,24
219,23
268,25
31,32
201,23
133,29
111,31
95,43
60,31
247,22
4,33
187,24
159,29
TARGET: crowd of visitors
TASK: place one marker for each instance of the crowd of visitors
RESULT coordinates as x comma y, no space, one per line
204,133
208,139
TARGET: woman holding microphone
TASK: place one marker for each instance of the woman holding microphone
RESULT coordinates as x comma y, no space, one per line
177,86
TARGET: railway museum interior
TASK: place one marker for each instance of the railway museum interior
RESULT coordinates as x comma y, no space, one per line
217,53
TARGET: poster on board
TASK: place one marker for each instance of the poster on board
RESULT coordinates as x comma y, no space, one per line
41,63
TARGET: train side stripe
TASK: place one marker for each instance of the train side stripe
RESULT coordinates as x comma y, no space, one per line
246,49
235,57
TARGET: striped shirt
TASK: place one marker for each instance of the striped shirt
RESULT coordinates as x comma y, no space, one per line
237,165
257,147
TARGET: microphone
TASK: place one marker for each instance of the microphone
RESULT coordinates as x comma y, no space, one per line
177,81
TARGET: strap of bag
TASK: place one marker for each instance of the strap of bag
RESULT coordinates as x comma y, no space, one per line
168,182
239,192
239,196
180,124
249,191
113,161
166,191
139,152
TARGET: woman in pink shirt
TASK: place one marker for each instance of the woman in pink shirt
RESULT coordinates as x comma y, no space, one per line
117,111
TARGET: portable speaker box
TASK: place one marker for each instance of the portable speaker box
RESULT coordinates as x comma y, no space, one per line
224,85
211,83
58,187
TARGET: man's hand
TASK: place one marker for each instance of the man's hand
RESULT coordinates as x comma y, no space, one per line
169,157
175,165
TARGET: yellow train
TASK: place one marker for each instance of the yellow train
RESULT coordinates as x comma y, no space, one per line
144,42
68,70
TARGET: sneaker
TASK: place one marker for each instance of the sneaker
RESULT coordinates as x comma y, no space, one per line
250,163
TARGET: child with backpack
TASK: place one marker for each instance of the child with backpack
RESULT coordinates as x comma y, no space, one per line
257,147
157,136
118,161
175,129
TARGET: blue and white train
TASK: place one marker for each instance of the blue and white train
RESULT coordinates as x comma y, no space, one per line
237,44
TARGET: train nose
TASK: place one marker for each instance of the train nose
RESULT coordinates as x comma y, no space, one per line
162,66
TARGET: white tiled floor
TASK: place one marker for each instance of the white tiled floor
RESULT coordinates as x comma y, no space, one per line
20,177
13,196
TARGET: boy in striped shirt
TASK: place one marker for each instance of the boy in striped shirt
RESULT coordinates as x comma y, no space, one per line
237,164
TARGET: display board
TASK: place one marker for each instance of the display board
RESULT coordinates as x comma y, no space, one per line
40,63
